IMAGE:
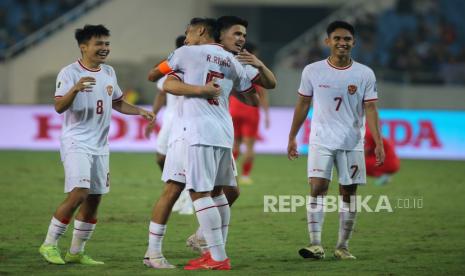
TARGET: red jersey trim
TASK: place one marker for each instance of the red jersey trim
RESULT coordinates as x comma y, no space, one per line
303,95
370,100
56,97
247,90
256,77
118,99
88,69
175,75
340,68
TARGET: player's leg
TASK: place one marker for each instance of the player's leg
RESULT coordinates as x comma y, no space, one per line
86,219
231,192
320,166
200,179
77,168
249,133
247,162
157,228
173,176
352,172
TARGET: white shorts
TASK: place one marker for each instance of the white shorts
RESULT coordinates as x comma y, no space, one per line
209,166
89,171
350,165
163,138
175,162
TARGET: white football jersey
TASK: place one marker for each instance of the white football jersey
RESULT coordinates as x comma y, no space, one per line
338,120
87,121
207,121
252,72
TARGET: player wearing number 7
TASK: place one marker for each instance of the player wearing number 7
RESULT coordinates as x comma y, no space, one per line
343,93
86,92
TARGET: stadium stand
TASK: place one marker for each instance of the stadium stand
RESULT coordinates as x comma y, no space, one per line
411,42
24,22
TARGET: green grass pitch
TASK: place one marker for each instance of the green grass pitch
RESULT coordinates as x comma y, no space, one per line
428,240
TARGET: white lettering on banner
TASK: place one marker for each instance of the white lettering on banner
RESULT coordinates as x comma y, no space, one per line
416,134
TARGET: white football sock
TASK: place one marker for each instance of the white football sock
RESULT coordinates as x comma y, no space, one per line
315,219
81,234
210,221
225,212
346,225
56,229
156,234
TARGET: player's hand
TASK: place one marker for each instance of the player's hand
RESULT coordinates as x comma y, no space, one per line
379,153
149,129
84,84
245,57
292,152
211,90
149,116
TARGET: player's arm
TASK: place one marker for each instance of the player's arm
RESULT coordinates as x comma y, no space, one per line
64,102
300,114
265,104
266,78
158,71
126,108
372,117
175,86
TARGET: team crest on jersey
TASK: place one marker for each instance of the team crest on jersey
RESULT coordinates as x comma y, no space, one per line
352,89
109,90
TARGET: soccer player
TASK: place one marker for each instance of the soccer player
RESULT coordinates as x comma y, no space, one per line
232,33
183,205
343,93
246,119
176,153
208,132
383,173
86,92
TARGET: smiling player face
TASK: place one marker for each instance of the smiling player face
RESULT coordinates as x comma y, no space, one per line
96,50
340,42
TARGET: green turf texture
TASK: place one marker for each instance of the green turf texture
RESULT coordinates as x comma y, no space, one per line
428,240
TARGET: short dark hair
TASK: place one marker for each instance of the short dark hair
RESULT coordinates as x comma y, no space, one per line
209,24
227,21
339,25
85,34
180,41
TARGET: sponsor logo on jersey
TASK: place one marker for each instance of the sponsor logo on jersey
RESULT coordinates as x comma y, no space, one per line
324,86
352,89
109,90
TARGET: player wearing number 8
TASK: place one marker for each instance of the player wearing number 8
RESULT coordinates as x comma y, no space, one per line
343,92
86,92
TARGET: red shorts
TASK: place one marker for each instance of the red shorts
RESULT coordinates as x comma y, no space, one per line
245,119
